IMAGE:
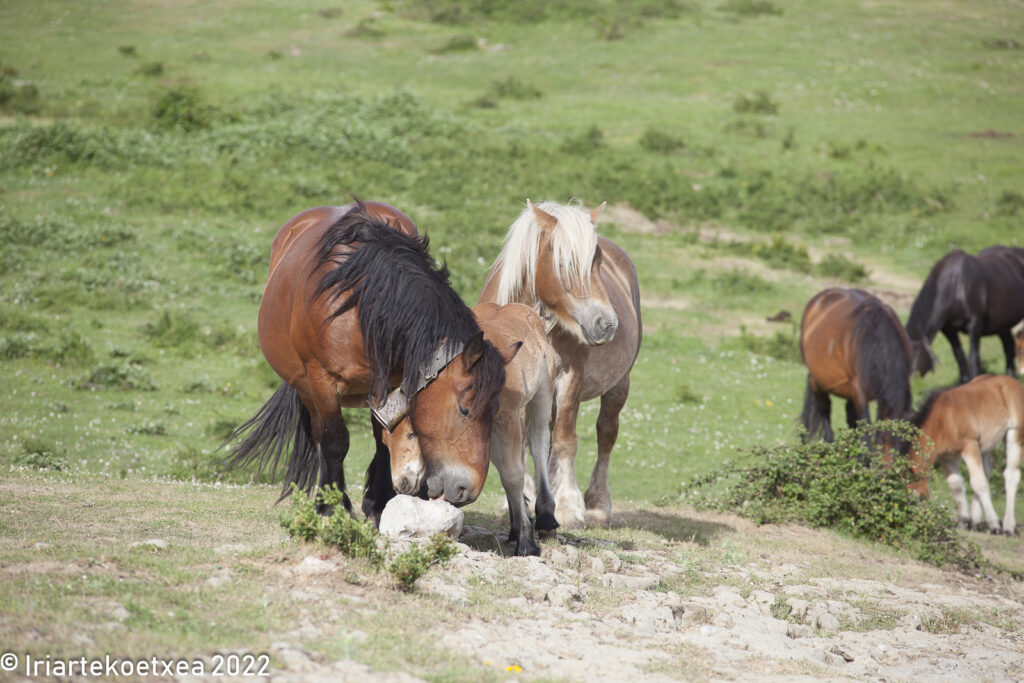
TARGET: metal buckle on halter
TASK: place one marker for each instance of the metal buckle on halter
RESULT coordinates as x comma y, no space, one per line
396,405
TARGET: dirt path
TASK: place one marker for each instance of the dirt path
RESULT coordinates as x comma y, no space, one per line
733,601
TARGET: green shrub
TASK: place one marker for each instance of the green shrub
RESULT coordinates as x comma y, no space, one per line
839,267
17,96
183,107
41,455
172,330
655,140
751,8
832,485
151,69
784,346
459,43
360,539
758,103
513,88
127,376
1010,203
589,141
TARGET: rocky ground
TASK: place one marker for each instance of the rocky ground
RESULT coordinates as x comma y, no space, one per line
742,603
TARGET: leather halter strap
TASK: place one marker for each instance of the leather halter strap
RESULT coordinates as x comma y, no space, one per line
396,405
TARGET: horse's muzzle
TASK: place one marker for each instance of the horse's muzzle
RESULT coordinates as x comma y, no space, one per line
457,487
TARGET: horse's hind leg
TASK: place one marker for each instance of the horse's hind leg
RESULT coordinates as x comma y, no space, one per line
958,352
1009,348
971,454
379,486
1014,449
538,430
955,481
506,455
599,496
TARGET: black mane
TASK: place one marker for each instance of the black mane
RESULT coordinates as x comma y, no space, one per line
406,305
925,409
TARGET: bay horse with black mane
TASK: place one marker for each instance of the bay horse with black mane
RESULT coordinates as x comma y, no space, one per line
979,295
585,289
354,306
855,348
966,423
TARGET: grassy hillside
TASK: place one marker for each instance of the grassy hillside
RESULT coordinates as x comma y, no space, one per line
149,152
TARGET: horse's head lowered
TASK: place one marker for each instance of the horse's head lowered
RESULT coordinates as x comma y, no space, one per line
922,356
440,445
552,261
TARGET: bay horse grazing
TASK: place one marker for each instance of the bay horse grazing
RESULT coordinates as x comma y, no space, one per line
980,295
855,348
966,422
585,289
353,306
528,387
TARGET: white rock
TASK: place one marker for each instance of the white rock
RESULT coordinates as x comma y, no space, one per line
154,543
408,517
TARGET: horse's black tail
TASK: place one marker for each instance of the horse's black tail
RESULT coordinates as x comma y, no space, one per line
811,417
884,362
282,423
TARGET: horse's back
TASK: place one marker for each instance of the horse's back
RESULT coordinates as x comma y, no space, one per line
826,330
1003,271
981,410
534,362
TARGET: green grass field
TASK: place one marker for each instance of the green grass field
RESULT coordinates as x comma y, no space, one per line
150,151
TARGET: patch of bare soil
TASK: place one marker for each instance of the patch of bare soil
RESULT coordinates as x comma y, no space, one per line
680,595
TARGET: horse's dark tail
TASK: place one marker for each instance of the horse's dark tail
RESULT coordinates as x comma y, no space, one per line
282,424
812,418
884,361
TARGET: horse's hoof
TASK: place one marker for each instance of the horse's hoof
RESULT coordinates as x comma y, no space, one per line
527,548
546,522
546,534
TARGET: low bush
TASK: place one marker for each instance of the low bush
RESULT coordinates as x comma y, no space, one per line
839,267
126,376
41,455
359,538
848,485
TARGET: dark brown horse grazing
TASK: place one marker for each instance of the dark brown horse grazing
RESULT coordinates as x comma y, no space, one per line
967,422
979,295
585,289
353,307
855,347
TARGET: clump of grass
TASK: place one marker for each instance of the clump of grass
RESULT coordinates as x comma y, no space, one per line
784,346
751,8
513,88
830,485
686,395
128,50
329,12
1003,44
1010,203
589,141
368,27
460,43
839,267
736,282
660,142
147,429
183,107
758,103
172,330
778,252
151,69
17,95
359,539
41,455
127,376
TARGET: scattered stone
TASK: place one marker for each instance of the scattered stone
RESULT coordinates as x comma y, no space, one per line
632,583
231,549
42,545
836,650
597,566
694,615
314,565
408,517
556,558
826,622
799,606
152,543
118,611
218,580
563,595
796,631
611,561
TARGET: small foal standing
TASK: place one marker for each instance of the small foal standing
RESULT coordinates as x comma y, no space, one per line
967,422
585,289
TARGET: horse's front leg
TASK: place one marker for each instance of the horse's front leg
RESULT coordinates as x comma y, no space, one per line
599,495
958,352
570,510
379,486
1011,476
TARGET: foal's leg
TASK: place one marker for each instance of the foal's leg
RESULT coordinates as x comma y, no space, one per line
599,495
379,486
1014,449
1009,348
506,455
979,483
958,352
538,431
569,505
951,466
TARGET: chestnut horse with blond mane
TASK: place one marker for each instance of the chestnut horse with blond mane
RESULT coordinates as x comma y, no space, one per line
585,289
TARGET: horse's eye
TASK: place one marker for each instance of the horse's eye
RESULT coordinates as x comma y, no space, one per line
464,412
410,436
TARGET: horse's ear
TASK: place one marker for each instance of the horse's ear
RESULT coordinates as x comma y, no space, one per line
545,220
594,213
510,351
473,351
